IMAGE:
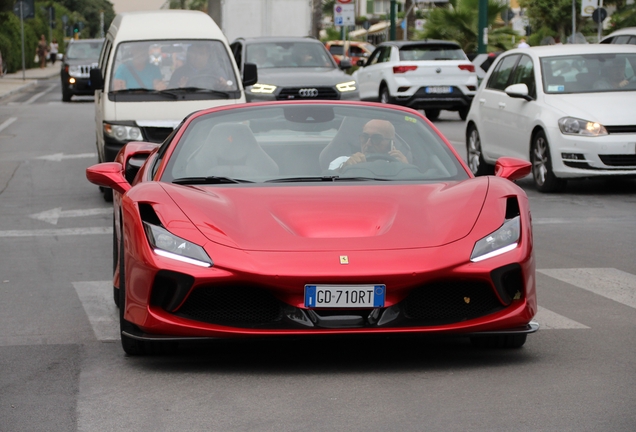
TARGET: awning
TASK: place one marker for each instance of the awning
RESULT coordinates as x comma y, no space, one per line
374,29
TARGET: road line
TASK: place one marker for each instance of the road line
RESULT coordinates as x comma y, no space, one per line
549,320
8,122
97,301
39,95
59,232
610,283
52,216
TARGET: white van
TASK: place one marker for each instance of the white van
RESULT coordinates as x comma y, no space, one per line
155,68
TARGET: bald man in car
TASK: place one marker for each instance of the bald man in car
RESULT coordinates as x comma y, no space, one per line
376,138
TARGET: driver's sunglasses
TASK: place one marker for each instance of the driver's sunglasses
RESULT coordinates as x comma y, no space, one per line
376,139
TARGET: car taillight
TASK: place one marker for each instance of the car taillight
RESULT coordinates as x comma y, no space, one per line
403,69
66,68
467,67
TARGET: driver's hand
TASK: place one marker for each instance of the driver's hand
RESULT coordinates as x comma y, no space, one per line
399,156
355,159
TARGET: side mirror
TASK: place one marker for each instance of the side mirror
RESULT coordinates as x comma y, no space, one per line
512,168
132,157
108,174
518,91
345,63
250,74
97,80
361,62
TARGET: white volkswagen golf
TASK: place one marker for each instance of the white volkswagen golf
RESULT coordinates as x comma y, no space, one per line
568,109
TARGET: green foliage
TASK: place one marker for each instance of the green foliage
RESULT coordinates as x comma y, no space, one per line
332,34
459,22
88,12
625,17
11,43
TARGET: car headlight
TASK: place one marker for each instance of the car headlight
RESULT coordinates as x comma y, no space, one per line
262,88
123,133
574,126
501,241
168,245
346,86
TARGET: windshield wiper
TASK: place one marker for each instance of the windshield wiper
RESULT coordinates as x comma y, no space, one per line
332,178
208,180
181,90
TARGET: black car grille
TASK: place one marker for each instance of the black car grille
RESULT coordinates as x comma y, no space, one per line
308,93
619,160
621,129
246,306
156,134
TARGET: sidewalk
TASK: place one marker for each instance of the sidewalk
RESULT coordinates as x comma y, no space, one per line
13,82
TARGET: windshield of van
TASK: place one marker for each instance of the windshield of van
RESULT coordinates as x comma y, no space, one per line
172,68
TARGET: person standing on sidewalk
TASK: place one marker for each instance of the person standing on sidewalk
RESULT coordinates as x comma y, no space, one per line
42,51
53,48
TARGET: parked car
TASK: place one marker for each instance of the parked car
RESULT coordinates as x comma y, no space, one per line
564,108
623,36
80,57
246,224
293,68
430,75
352,50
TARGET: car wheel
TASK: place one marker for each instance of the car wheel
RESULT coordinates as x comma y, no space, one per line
544,178
66,94
385,98
499,341
463,112
474,156
132,346
432,114
108,194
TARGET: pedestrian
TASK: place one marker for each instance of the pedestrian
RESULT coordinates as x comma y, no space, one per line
42,51
523,44
53,48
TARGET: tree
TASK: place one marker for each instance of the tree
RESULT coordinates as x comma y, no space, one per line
459,22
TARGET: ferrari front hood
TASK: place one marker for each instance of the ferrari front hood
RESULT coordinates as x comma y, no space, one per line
340,217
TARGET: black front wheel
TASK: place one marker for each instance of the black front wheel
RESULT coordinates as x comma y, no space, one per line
463,112
475,158
66,94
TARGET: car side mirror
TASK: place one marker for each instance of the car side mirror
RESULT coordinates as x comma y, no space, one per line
345,63
361,62
110,175
250,74
97,80
518,91
512,168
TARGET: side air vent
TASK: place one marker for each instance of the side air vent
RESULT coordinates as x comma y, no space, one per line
512,208
148,214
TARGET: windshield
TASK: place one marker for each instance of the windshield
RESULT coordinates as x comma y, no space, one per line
289,55
311,142
84,50
432,52
589,73
173,65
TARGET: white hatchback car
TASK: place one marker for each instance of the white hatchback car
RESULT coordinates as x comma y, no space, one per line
431,75
568,109
625,35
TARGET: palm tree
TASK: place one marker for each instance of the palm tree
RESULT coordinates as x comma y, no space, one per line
459,22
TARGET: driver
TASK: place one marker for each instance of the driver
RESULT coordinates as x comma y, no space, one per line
200,70
376,138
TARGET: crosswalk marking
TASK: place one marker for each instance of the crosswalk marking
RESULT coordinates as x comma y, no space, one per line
549,320
97,300
610,283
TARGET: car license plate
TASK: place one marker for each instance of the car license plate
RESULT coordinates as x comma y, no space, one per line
344,296
439,89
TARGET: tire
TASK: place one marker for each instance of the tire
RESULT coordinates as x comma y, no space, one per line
108,194
463,112
544,178
385,97
510,341
132,346
66,94
432,114
474,156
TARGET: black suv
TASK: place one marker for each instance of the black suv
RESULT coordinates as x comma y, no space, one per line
80,57
294,68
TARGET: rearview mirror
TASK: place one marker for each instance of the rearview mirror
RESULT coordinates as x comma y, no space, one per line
250,74
345,63
518,91
512,168
97,80
361,62
108,174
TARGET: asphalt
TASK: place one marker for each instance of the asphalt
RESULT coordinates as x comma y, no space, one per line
14,82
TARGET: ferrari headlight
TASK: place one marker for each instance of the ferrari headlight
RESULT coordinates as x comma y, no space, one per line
501,241
123,133
168,245
574,126
346,86
263,88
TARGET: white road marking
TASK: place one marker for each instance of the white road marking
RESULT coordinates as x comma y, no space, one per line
549,320
97,300
570,221
52,216
7,122
610,283
57,157
39,95
57,232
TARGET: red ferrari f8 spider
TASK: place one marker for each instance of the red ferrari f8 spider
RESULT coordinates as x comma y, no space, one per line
316,218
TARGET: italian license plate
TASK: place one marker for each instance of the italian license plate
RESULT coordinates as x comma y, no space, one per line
344,296
439,89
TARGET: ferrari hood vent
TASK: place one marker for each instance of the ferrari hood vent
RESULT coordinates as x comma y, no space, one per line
148,214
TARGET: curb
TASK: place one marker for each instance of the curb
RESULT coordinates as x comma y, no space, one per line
17,89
